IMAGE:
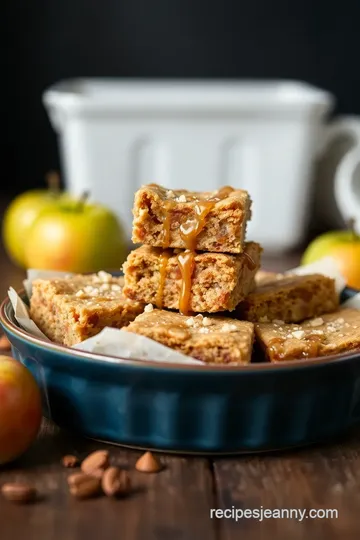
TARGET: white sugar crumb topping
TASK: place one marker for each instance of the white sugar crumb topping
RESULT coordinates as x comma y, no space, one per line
91,291
207,321
340,321
190,321
170,193
199,317
228,328
317,322
104,277
181,198
104,287
204,330
115,287
148,308
278,322
298,334
80,294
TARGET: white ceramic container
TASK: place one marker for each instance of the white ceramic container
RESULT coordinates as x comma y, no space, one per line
115,135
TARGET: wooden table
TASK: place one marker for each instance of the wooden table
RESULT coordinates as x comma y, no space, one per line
175,504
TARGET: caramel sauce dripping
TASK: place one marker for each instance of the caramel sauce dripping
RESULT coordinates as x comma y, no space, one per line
312,346
189,232
276,346
164,257
186,262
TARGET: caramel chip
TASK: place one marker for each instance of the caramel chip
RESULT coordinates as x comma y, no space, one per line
148,463
115,482
83,486
96,463
70,461
18,492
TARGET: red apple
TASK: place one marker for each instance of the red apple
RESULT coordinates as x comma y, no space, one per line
20,409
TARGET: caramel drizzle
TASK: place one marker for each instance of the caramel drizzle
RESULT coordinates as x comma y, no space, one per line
312,349
163,260
189,232
186,262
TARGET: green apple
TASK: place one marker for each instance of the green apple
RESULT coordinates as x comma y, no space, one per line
76,236
344,247
21,214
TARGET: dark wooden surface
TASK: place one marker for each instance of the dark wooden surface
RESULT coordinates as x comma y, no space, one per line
175,503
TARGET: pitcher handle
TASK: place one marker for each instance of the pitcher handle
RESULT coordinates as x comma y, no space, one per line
347,174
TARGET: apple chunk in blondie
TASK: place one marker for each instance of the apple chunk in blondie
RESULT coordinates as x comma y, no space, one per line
71,309
211,339
290,299
332,333
207,221
190,281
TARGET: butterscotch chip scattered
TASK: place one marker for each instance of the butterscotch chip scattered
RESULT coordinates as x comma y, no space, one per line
115,482
70,461
96,463
5,344
83,486
148,463
18,492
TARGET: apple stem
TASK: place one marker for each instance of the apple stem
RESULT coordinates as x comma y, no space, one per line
53,182
351,227
83,199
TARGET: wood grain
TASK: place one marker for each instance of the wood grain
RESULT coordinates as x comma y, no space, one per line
170,505
324,477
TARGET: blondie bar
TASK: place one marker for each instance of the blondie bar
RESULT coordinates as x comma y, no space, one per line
290,299
208,221
70,310
332,333
211,339
188,281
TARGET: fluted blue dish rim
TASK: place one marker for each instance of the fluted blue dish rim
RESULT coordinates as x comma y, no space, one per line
12,327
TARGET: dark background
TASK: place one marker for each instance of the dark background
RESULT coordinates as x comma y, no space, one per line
48,40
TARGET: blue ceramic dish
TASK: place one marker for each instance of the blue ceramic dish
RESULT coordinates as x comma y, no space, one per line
190,409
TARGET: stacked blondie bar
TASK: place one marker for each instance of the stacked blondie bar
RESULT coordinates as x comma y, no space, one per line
194,285
194,260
